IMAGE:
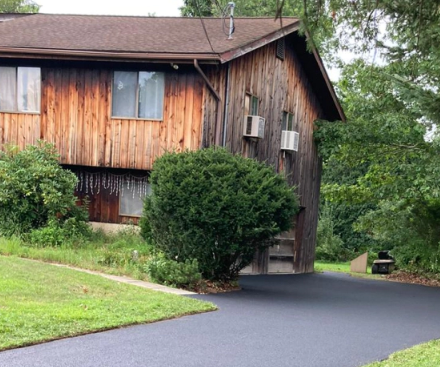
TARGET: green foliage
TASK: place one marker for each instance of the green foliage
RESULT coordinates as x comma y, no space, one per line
35,190
217,208
243,8
323,26
387,169
170,272
19,6
51,235
411,231
123,253
330,246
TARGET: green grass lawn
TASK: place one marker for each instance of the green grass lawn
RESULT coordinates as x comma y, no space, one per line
106,253
422,355
40,302
321,266
337,267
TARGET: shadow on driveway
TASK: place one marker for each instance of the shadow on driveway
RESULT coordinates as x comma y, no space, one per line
322,320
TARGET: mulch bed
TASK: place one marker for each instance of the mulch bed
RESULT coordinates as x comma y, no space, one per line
413,278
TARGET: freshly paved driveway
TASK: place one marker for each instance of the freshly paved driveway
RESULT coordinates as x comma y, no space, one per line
323,320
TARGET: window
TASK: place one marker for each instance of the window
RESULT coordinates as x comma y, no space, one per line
131,199
251,105
287,121
138,94
20,89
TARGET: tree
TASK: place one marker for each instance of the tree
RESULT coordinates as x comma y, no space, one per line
243,8
19,6
386,164
217,208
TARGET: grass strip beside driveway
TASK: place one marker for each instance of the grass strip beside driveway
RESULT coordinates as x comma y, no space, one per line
40,302
422,355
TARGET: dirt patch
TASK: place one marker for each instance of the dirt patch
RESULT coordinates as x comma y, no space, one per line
414,278
207,287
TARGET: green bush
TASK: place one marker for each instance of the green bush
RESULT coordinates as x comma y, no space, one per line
217,208
330,246
56,233
173,273
50,235
35,189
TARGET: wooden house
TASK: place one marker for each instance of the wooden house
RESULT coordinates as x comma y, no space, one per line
113,93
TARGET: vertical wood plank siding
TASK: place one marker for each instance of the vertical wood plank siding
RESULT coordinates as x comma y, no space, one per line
76,117
280,86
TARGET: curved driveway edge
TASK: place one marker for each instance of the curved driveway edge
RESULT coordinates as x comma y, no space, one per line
313,320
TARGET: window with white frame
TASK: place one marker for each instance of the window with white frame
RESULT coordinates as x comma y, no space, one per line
138,94
20,89
131,198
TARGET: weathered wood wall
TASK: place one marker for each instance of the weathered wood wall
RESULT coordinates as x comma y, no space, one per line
76,117
19,128
280,85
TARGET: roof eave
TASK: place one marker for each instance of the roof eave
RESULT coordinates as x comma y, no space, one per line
26,53
328,83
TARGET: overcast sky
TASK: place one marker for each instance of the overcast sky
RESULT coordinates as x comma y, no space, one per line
112,7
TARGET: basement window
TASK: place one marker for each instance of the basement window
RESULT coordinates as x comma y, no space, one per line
131,200
138,94
20,89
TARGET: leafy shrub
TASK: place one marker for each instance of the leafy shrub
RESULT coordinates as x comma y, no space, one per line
330,246
35,189
57,233
50,235
171,272
217,208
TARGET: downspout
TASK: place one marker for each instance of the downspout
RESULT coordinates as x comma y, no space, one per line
225,118
217,140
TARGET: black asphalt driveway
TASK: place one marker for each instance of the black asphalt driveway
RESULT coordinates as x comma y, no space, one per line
322,320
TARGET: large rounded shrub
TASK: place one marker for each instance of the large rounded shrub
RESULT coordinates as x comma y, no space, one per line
217,208
35,190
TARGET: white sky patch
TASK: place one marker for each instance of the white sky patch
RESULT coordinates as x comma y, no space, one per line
109,7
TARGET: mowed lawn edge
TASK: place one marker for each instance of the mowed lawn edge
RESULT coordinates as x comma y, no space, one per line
41,302
421,355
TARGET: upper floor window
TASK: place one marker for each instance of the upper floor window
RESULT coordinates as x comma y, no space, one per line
251,105
138,94
20,89
287,121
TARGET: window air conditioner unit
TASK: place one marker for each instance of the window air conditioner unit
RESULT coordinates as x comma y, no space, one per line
289,140
254,126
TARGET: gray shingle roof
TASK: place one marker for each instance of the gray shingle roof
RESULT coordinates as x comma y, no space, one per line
134,34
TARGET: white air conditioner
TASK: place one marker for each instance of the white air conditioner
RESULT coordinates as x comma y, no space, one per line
289,140
253,126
